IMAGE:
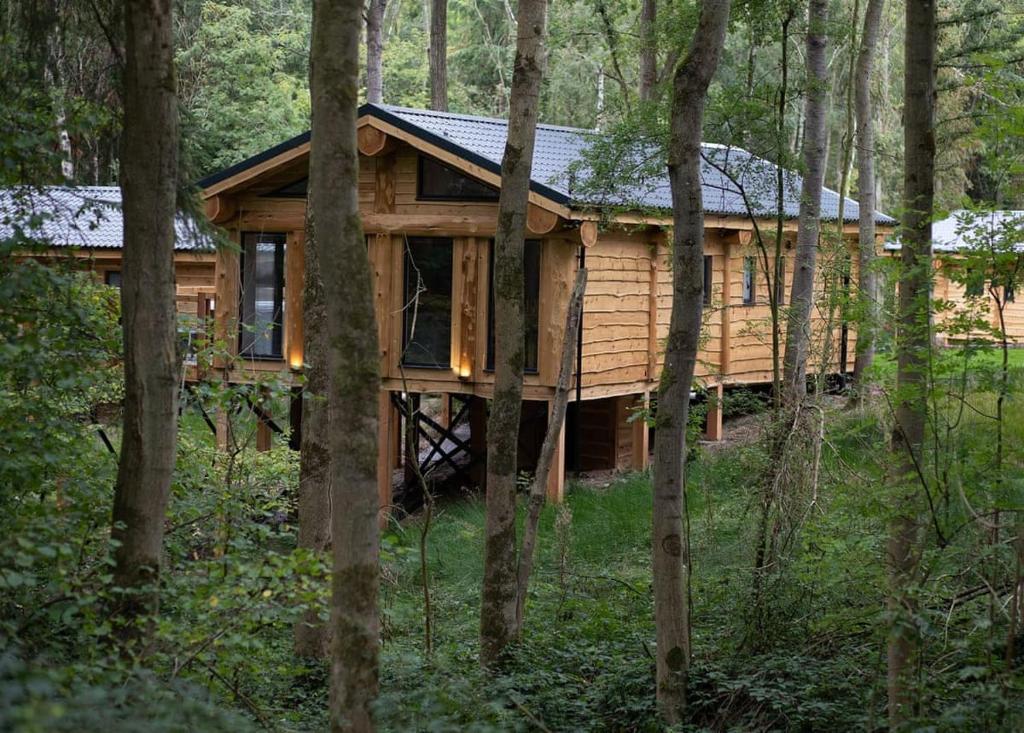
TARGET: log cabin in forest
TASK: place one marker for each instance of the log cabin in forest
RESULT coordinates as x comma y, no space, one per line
82,226
978,257
428,190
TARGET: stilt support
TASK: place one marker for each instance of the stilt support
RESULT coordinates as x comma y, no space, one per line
713,429
641,434
387,452
556,476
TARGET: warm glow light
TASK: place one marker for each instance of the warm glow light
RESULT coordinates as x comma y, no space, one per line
465,369
295,360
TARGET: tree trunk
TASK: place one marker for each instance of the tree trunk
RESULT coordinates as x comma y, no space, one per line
867,276
312,637
353,366
798,327
551,436
671,560
375,51
648,49
437,55
149,174
913,340
498,597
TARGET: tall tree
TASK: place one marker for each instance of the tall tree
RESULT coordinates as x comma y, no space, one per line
798,326
314,507
671,557
648,49
437,54
375,51
912,340
149,174
866,188
498,596
353,378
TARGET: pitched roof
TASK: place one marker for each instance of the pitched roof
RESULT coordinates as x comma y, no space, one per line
88,217
558,152
962,229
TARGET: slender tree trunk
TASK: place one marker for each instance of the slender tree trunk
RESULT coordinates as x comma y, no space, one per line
149,174
437,55
555,421
498,597
648,49
353,366
798,327
312,637
867,277
670,536
913,341
375,51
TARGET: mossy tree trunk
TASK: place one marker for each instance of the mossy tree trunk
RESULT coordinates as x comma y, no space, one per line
671,561
375,51
353,378
798,327
498,596
149,175
913,342
437,55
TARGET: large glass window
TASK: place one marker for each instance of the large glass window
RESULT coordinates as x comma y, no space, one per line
749,280
262,295
531,304
428,303
439,182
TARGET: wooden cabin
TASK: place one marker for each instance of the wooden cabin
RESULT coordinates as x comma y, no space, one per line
84,224
960,291
428,190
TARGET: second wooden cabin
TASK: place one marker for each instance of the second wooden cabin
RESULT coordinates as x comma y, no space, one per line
428,191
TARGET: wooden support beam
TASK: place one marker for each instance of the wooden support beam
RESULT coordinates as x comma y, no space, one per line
220,209
713,428
261,411
227,283
372,141
556,476
387,452
540,221
224,437
444,418
294,280
641,435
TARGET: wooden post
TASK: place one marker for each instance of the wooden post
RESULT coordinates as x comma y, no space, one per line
295,275
641,435
412,437
295,419
387,452
713,430
556,476
444,417
227,286
264,438
478,439
223,429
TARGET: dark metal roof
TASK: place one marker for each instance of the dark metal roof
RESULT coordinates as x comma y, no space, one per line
558,150
87,217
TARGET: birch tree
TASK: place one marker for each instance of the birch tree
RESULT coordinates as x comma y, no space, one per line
866,189
912,342
671,557
353,379
798,327
149,174
498,596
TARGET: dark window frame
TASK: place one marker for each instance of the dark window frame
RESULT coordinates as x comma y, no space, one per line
112,275
407,311
749,267
709,277
277,331
490,197
489,357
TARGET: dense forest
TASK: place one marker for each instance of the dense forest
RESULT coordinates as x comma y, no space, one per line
849,557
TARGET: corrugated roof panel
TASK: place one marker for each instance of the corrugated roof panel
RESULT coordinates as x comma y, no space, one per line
88,217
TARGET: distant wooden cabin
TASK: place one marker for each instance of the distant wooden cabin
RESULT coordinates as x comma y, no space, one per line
953,240
428,190
83,224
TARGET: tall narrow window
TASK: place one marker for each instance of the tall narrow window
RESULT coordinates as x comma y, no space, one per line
780,280
531,305
428,303
262,295
749,280
708,278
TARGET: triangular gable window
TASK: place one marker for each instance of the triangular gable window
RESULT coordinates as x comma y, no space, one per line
436,181
292,190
